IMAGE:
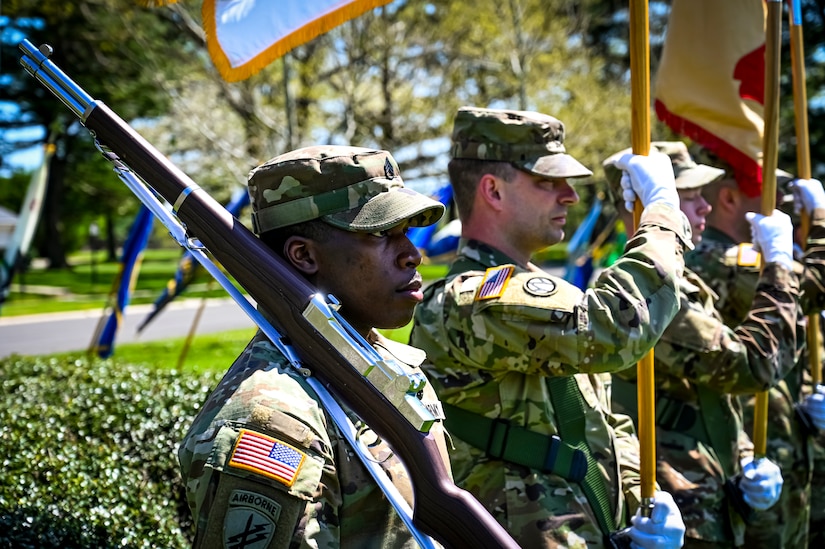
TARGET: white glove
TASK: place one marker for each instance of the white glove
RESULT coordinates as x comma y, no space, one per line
650,178
664,529
773,236
814,405
808,195
761,483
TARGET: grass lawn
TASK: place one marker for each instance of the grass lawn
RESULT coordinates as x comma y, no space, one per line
88,282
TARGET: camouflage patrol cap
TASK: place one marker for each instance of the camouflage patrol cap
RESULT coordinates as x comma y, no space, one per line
688,174
531,141
352,188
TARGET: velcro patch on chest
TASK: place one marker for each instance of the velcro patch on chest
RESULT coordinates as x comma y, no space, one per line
267,456
540,286
494,282
746,256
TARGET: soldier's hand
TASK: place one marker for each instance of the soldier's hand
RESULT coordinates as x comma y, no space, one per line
814,406
650,178
761,483
664,529
808,195
773,236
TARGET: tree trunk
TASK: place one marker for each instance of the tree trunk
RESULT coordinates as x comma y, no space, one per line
53,248
111,244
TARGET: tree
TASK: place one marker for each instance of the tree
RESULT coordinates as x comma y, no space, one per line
88,38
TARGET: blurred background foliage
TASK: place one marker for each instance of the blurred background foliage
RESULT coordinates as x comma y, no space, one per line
392,78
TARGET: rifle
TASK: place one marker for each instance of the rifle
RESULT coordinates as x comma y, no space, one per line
382,393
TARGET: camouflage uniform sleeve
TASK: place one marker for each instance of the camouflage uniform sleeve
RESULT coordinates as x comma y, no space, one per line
745,446
258,463
813,278
732,280
627,448
542,325
754,356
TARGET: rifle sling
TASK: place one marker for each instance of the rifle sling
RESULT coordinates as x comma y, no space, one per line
567,456
710,425
501,440
568,405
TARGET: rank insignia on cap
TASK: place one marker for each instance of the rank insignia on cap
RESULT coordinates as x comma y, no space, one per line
540,286
267,456
250,520
494,282
747,256
389,171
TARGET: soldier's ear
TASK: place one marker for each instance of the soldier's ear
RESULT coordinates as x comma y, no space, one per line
727,200
301,253
489,191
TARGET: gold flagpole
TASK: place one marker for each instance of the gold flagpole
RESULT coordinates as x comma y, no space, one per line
803,160
640,139
770,143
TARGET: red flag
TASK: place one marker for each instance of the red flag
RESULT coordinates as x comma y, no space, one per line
711,80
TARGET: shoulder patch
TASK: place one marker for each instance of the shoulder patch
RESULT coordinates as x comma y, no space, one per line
747,257
540,286
267,456
494,282
250,520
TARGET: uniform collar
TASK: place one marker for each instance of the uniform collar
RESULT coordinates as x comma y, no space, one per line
388,348
474,255
715,235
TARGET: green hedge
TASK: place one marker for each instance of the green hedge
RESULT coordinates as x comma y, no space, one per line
89,453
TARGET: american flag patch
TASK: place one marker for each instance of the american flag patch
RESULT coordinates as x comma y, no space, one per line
494,282
747,256
268,456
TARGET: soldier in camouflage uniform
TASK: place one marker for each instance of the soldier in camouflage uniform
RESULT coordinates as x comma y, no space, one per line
520,358
263,463
701,365
816,531
727,261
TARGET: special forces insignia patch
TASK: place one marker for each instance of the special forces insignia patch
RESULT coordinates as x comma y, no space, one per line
540,286
250,521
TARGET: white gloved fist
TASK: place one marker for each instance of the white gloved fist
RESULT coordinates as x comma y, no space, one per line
773,236
814,406
761,483
808,195
664,529
650,178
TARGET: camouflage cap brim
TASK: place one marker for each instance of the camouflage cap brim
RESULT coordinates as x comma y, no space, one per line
561,165
688,174
783,189
697,176
388,209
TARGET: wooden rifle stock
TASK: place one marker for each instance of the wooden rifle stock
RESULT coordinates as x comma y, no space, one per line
449,514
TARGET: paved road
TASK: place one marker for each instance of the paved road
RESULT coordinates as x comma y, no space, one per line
73,331
63,332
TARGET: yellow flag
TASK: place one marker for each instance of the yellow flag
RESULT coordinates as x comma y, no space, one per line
711,80
244,36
